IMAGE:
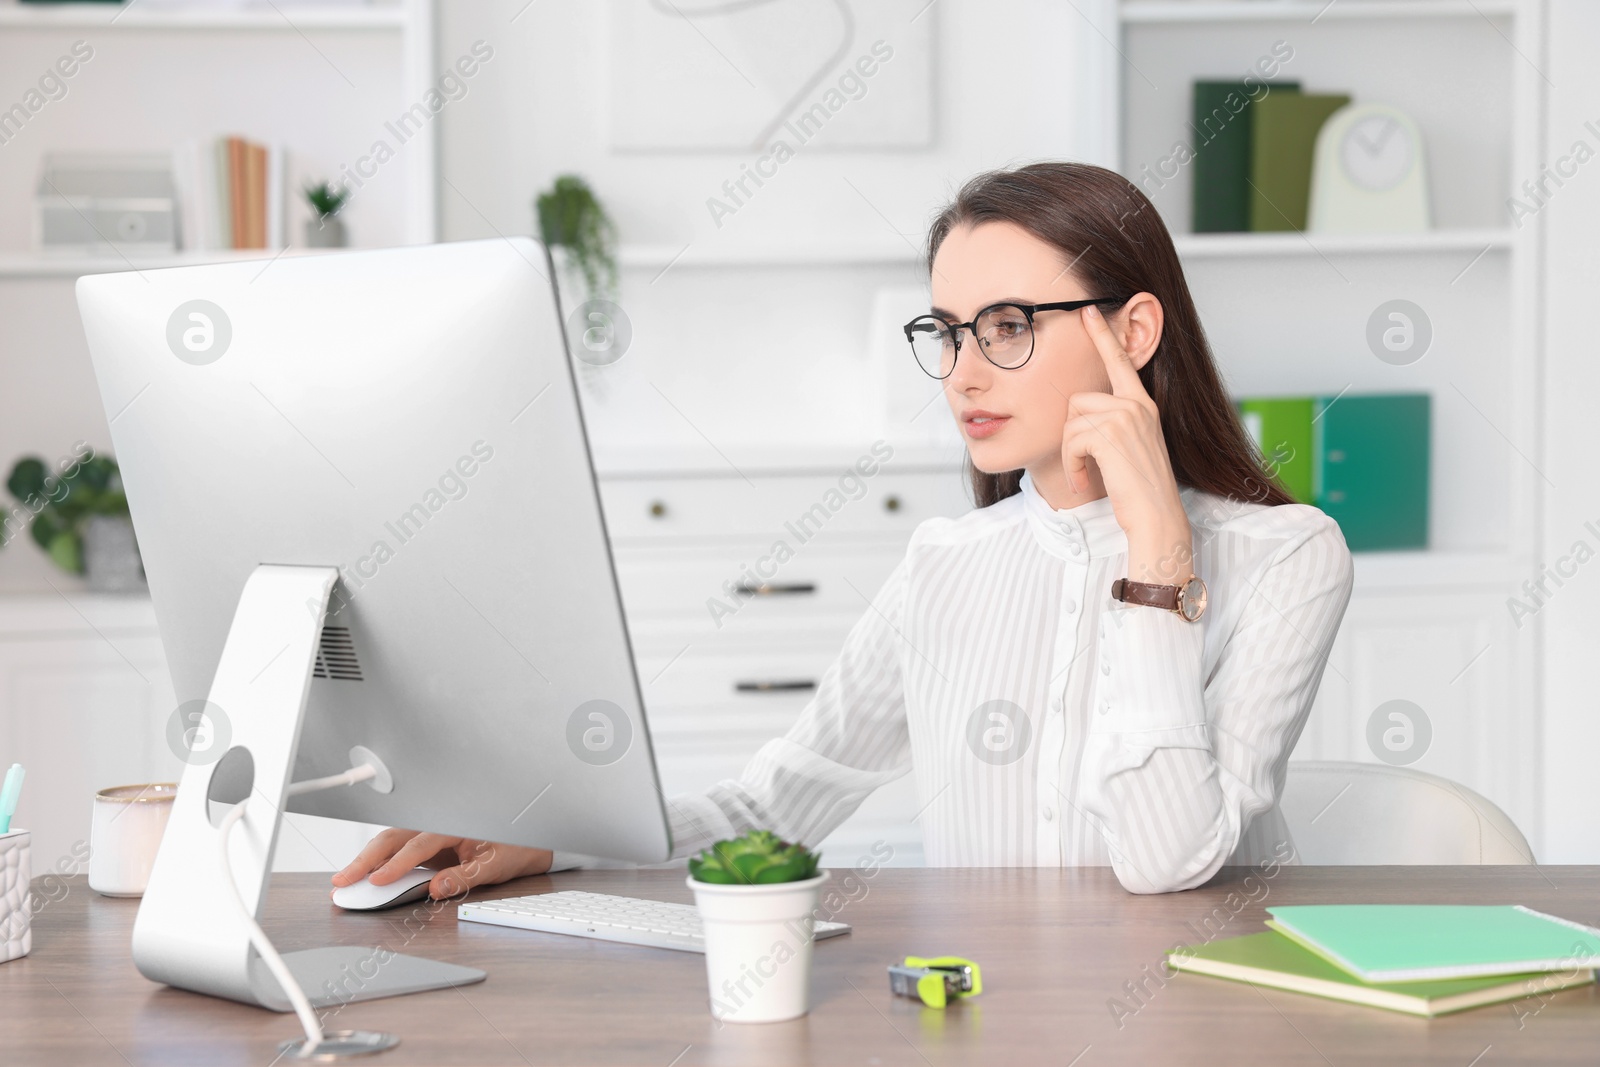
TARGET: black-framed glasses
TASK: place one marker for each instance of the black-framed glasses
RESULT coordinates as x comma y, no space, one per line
1004,333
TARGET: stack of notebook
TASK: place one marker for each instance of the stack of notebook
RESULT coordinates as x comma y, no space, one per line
231,193
1422,959
1253,155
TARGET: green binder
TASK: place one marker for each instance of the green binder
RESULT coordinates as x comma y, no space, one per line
1283,134
1371,466
1282,432
1220,195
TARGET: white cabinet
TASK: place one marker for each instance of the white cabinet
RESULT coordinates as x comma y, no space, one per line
84,694
1455,656
740,588
85,703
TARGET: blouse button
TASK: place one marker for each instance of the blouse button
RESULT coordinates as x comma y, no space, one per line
1075,548
1048,814
1105,706
1105,668
1070,606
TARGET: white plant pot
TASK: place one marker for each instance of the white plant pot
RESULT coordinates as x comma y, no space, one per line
758,948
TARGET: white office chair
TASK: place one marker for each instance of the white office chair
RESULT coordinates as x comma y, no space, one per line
1367,813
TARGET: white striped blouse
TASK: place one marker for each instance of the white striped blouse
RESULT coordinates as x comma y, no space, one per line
1046,723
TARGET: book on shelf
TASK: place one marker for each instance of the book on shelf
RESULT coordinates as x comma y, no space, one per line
234,193
1221,119
1284,131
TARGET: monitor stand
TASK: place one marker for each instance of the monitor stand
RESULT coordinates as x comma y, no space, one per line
188,932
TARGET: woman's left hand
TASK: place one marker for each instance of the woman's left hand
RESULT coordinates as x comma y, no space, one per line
1122,431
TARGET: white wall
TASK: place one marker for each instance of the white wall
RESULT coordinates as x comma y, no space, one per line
1571,382
757,353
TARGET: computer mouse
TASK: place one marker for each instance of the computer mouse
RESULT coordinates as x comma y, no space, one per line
364,896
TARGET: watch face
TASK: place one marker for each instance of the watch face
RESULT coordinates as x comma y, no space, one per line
1192,602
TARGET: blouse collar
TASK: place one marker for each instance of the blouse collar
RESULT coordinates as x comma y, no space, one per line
1076,534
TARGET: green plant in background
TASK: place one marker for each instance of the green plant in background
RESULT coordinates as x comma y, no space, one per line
571,217
62,504
757,858
326,199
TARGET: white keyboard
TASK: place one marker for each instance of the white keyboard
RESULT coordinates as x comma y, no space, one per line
609,918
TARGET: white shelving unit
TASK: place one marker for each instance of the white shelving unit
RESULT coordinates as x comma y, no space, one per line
1286,314
105,16
215,61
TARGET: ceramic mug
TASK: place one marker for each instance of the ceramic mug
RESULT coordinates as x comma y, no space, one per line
124,835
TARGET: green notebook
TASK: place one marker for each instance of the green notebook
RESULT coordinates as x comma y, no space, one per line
1371,468
1419,942
1273,960
1282,432
1283,135
1220,195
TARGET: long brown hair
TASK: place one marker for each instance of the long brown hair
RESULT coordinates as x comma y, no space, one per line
1117,245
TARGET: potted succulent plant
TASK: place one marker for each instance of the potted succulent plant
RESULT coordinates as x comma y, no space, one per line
757,898
80,519
327,229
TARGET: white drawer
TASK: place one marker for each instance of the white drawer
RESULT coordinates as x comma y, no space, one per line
741,586
770,507
715,689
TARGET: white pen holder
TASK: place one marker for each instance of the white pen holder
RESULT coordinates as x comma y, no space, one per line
16,914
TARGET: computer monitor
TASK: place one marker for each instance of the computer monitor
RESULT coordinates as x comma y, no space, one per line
364,498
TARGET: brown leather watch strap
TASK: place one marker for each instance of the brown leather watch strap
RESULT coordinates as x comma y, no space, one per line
1155,596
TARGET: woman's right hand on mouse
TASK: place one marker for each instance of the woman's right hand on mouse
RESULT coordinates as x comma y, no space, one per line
463,862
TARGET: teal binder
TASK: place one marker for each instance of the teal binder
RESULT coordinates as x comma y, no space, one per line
1372,468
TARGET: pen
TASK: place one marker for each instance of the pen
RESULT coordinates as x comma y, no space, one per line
8,796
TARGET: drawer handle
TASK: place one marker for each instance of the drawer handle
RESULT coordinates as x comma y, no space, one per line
891,503
774,687
769,589
658,508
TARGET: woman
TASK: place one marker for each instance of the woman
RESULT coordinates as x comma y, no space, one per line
1047,719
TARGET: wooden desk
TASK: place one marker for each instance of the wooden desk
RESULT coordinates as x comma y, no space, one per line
1058,948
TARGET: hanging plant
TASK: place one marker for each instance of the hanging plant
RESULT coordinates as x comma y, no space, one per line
571,217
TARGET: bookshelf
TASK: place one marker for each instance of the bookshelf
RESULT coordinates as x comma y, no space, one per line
101,16
1286,312
336,72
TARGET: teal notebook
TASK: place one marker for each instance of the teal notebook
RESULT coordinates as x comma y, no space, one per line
1419,942
1276,961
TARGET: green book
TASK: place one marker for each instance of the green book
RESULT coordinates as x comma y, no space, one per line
1221,113
1283,134
1282,431
1371,468
1421,942
1273,960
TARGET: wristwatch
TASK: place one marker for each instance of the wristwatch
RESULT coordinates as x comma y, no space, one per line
1188,599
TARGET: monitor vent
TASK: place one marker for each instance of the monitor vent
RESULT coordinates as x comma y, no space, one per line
336,655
